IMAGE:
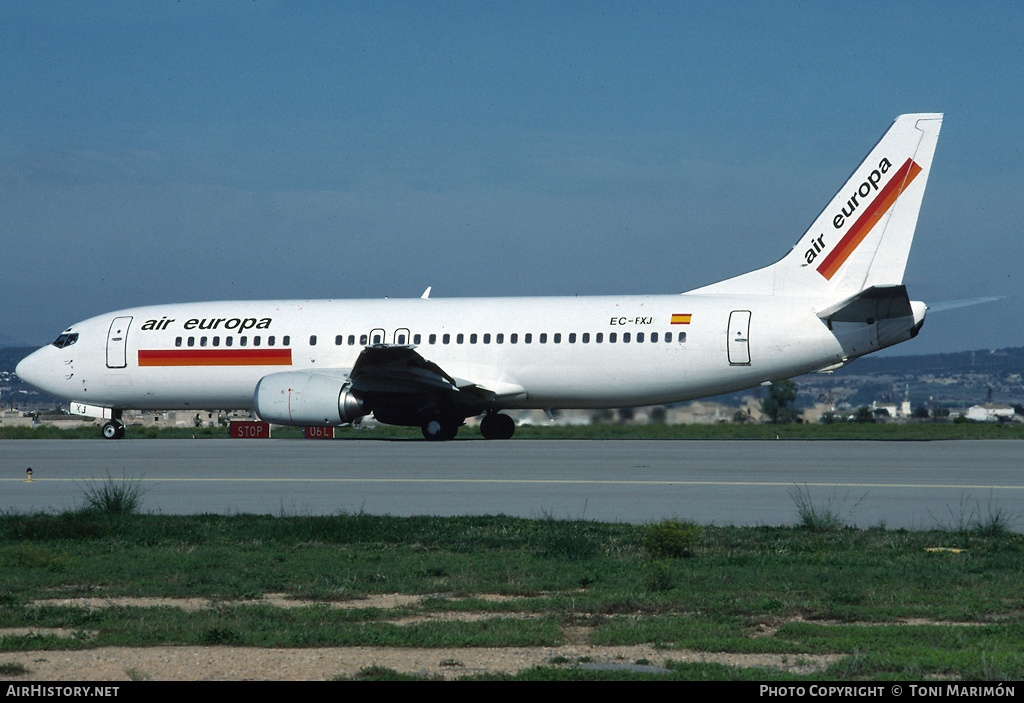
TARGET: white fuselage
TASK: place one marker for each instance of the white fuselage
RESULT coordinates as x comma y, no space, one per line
583,352
836,295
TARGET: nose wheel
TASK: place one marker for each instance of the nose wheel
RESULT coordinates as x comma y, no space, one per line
113,430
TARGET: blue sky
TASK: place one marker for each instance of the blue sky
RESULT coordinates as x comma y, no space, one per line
158,152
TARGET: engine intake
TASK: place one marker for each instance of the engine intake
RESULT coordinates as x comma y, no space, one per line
306,399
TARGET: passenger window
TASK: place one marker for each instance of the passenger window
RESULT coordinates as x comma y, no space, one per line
228,341
338,339
432,339
460,338
626,337
682,337
472,338
612,336
586,337
543,337
572,338
312,340
654,336
639,336
499,338
256,341
242,341
351,340
416,339
447,338
487,339
599,337
514,338
177,342
363,339
528,338
270,341
558,337
202,341
216,341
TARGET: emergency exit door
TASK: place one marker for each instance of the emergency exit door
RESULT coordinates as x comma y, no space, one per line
739,338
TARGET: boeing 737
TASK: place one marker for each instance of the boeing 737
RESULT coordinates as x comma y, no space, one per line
433,363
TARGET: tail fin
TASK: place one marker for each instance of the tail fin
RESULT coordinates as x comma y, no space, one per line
862,238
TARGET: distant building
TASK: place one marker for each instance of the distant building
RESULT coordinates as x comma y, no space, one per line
989,412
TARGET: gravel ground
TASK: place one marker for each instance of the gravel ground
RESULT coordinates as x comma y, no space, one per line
254,664
224,663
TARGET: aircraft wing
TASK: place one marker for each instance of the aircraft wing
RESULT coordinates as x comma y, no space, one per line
388,370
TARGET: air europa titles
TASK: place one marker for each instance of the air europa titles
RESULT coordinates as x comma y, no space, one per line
855,200
233,324
863,191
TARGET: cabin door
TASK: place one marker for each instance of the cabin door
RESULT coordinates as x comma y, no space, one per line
117,343
739,338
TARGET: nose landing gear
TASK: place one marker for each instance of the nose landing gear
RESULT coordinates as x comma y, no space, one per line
114,429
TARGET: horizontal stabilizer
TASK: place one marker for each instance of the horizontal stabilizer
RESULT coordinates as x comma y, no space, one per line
954,304
870,305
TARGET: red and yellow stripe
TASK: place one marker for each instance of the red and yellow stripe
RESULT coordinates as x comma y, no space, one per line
870,217
215,357
681,318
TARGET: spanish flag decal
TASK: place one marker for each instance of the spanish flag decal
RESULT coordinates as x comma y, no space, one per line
681,319
865,223
215,357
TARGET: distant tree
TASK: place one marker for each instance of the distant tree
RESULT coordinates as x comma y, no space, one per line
863,414
921,413
776,406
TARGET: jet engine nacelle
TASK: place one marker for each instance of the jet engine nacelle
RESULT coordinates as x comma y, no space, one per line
306,399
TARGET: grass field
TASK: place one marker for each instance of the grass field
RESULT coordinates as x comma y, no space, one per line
854,431
893,604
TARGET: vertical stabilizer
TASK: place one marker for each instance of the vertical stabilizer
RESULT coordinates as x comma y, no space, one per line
862,238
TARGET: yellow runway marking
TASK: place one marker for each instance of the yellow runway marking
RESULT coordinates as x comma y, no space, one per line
490,481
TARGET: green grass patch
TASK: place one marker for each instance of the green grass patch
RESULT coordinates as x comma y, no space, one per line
878,598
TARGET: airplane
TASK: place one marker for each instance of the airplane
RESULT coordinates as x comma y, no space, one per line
433,363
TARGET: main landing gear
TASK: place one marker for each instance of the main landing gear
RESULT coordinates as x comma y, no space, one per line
442,428
497,426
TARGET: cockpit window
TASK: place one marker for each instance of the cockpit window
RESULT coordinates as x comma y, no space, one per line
65,340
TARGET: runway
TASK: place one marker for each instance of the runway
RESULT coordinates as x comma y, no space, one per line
912,485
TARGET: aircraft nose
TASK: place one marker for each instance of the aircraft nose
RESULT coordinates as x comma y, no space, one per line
35,369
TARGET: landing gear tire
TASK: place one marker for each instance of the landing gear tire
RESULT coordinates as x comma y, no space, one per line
496,426
113,430
440,429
